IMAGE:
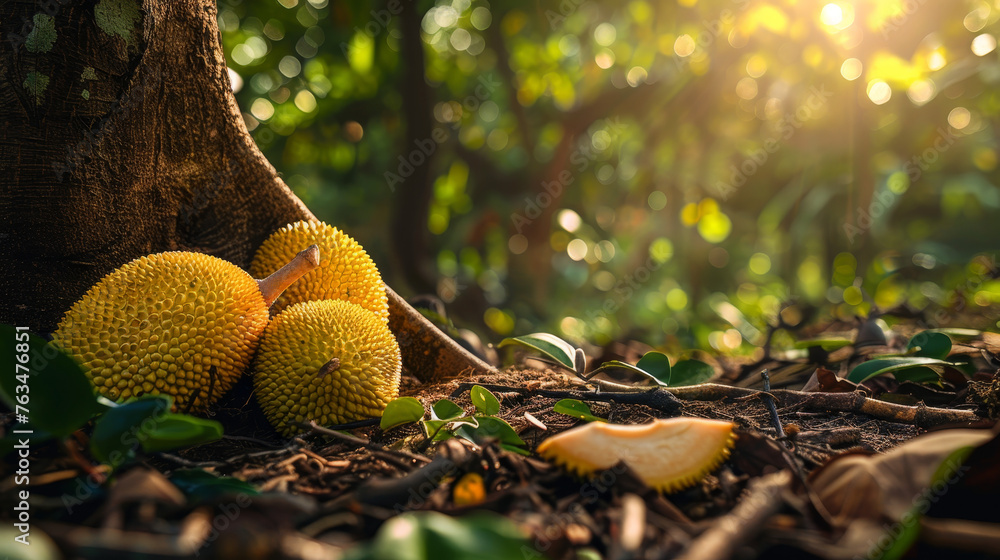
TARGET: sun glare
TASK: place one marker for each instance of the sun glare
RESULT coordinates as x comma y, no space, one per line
879,92
832,15
851,69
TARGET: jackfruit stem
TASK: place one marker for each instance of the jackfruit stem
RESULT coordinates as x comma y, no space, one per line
272,286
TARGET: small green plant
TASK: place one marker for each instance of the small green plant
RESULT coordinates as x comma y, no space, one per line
52,398
653,369
448,420
576,409
430,535
923,362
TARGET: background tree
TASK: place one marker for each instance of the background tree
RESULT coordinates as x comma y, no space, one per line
755,151
121,138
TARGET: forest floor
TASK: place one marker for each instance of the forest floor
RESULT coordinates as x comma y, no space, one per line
842,482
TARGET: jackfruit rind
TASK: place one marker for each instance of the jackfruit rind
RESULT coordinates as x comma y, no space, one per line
330,361
667,454
346,271
176,323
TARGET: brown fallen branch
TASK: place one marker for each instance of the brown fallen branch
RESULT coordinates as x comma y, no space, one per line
740,526
920,415
362,442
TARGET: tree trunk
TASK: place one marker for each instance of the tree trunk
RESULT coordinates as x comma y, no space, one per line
121,138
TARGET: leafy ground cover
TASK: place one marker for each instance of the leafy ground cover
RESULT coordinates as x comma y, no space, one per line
856,449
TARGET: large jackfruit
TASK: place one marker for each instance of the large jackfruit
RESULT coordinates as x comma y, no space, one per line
330,361
346,273
177,323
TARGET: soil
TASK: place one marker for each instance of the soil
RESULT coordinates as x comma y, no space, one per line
322,495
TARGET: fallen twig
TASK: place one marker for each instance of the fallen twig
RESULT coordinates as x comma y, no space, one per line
664,399
920,415
769,402
362,442
744,522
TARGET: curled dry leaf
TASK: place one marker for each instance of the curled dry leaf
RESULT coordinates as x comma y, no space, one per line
827,381
865,494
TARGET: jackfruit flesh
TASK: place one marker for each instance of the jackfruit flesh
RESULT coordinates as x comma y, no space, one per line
330,361
346,272
668,455
177,323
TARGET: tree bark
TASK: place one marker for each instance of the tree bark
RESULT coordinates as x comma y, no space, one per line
121,138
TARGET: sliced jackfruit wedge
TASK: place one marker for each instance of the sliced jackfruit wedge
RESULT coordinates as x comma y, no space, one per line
668,454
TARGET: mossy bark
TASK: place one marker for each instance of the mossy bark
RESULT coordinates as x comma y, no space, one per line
121,138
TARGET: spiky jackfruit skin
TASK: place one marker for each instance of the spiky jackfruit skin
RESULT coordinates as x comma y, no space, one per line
669,455
345,272
295,381
177,323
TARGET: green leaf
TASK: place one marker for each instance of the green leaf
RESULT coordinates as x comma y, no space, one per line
930,345
881,366
201,486
445,409
828,343
452,424
957,333
59,398
121,430
403,410
576,409
656,364
919,374
177,431
632,374
430,535
552,346
434,428
515,449
485,401
690,372
490,427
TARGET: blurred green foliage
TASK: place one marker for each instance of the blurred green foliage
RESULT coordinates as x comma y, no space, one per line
672,171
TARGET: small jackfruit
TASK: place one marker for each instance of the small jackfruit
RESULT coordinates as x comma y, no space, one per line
330,361
177,323
668,455
346,273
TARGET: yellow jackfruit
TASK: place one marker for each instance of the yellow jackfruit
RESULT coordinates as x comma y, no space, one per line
330,361
668,455
178,323
346,273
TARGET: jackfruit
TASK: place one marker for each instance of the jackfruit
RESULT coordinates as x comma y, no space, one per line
669,455
330,361
177,323
346,273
